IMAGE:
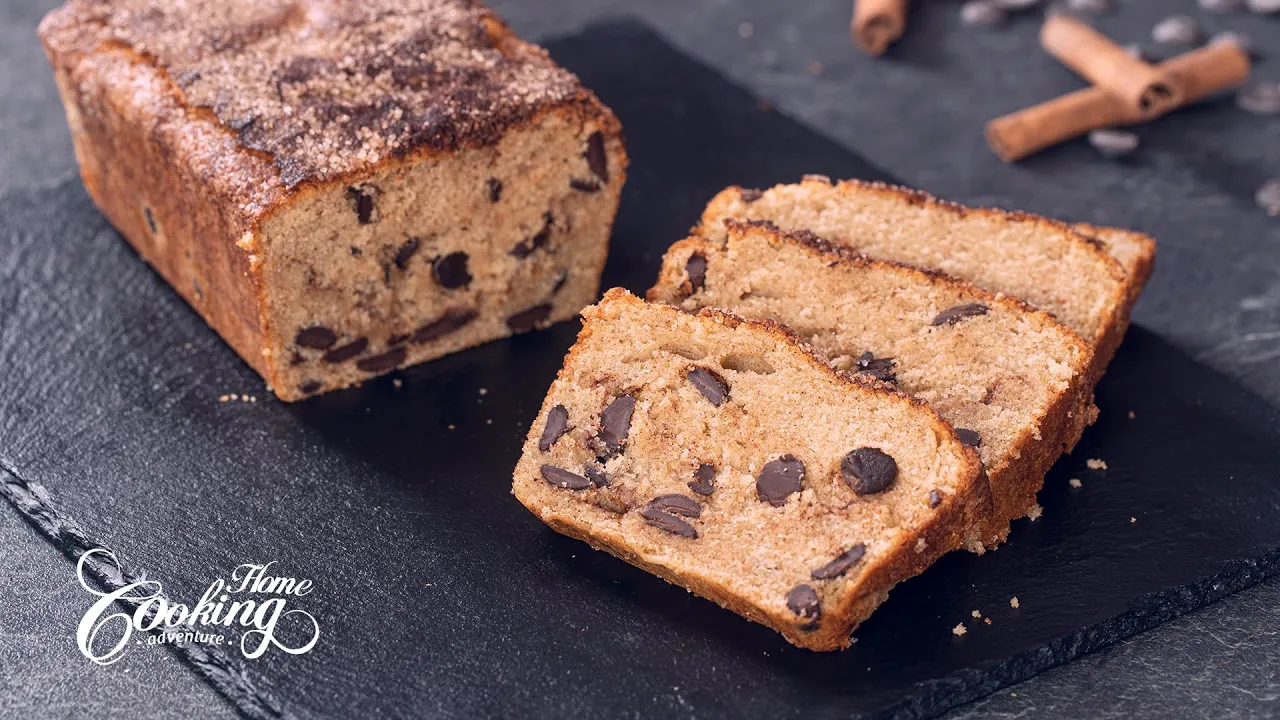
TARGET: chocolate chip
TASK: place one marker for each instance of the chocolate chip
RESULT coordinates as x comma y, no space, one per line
384,362
803,601
696,269
969,437
362,201
1113,143
677,505
878,368
356,252
750,196
529,319
453,319
561,478
951,316
596,158
666,521
450,271
935,499
495,190
868,470
587,186
841,564
712,386
557,425
525,248
316,337
597,477
308,387
779,480
348,351
1177,30
615,422
406,251
703,481
151,220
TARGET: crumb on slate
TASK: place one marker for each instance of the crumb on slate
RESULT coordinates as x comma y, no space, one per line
986,620
1133,520
452,426
397,383
1131,415
1034,513
484,391
1013,601
1096,464
959,629
1075,482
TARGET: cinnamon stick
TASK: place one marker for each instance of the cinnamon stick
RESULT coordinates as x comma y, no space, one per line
1145,89
1196,74
877,23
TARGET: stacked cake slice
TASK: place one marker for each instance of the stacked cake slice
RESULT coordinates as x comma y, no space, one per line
794,465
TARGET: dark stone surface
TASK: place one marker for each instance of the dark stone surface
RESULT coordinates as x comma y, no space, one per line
1216,294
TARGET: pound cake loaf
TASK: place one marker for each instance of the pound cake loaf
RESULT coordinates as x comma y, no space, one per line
341,188
1089,283
1011,379
724,456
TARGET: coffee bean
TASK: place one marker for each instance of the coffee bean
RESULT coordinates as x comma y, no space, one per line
348,351
841,564
1221,6
316,337
1177,30
495,189
309,386
526,247
1260,98
450,271
696,269
597,477
666,521
1268,197
1113,143
750,196
406,251
703,481
980,13
561,478
151,220
1264,7
453,319
587,186
779,480
803,601
615,422
529,319
381,363
557,425
712,386
951,316
362,201
935,499
677,505
868,470
969,437
596,158
878,368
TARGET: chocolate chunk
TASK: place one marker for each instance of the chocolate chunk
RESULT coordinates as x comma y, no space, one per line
348,351
868,470
664,520
878,368
356,252
557,425
615,422
677,505
561,478
587,186
381,363
453,319
450,271
696,269
529,319
316,337
597,477
362,201
841,564
803,601
969,437
751,195
779,480
525,248
703,481
495,190
406,251
309,386
596,158
935,499
151,220
712,386
951,316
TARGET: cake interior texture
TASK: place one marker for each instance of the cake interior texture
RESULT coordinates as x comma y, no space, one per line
1011,378
716,453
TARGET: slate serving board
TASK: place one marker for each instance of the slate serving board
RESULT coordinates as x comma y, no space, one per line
438,594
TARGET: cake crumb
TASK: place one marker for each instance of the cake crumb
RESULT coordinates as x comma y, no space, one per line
1133,520
921,544
452,426
1096,464
1131,415
223,398
1013,602
959,629
489,421
986,620
397,383
484,391
1075,482
976,614
1034,513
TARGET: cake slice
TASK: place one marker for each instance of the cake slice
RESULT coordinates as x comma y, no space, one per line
1088,281
1010,378
724,456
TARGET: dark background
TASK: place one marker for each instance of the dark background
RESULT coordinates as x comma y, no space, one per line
918,115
